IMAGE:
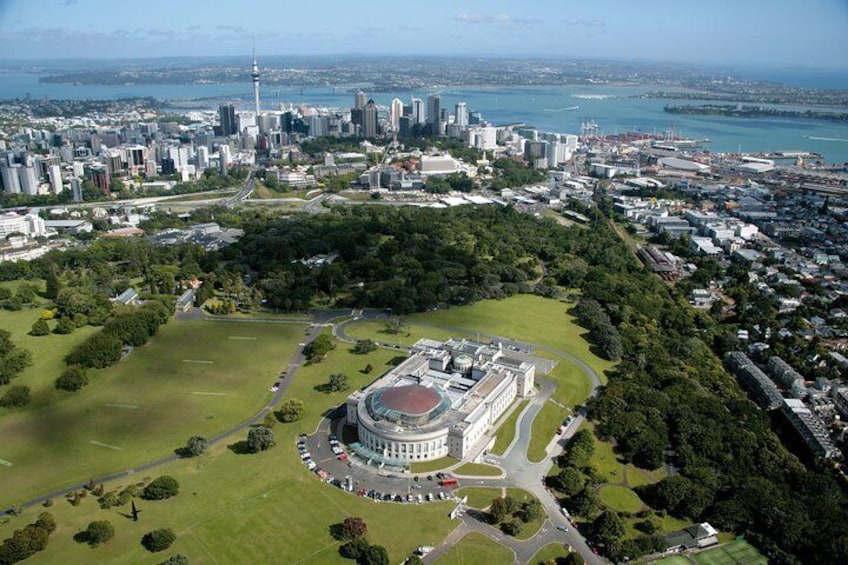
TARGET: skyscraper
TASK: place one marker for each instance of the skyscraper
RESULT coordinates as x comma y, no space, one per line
359,100
434,103
254,76
461,114
369,119
418,114
396,113
227,118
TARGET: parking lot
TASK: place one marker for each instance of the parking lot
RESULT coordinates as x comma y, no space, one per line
331,462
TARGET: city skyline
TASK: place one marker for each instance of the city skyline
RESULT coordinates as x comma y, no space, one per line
786,33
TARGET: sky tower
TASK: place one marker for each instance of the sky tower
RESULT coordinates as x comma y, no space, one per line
254,76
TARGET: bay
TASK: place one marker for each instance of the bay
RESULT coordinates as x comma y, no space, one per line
549,108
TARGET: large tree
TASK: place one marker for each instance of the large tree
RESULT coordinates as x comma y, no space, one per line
259,439
291,410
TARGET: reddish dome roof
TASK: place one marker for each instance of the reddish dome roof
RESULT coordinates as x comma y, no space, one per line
414,400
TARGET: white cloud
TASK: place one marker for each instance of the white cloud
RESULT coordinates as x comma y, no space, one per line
481,18
580,22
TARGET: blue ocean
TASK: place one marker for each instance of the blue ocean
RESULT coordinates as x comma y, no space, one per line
549,108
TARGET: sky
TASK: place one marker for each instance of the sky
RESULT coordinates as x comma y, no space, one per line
773,33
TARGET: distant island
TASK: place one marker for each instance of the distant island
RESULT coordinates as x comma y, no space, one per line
738,111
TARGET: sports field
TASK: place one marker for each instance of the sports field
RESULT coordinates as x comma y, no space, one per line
191,379
734,553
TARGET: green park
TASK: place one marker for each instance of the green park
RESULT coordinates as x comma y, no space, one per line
203,377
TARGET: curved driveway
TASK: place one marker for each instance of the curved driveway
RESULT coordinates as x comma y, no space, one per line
519,471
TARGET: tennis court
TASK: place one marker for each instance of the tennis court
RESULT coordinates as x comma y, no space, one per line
734,553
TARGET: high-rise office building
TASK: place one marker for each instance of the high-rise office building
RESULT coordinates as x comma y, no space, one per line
28,179
100,178
396,114
317,126
76,189
224,158
227,118
11,179
202,157
359,100
460,117
419,114
54,173
369,119
434,104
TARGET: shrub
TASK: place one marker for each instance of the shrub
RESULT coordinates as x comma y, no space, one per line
72,379
291,410
65,325
512,527
46,521
40,328
196,445
158,540
161,488
16,396
99,531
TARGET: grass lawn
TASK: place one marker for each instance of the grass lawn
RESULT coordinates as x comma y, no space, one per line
733,553
47,354
376,331
529,529
192,378
506,430
573,386
263,508
672,560
477,549
526,317
620,499
479,497
550,552
478,469
544,428
435,465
